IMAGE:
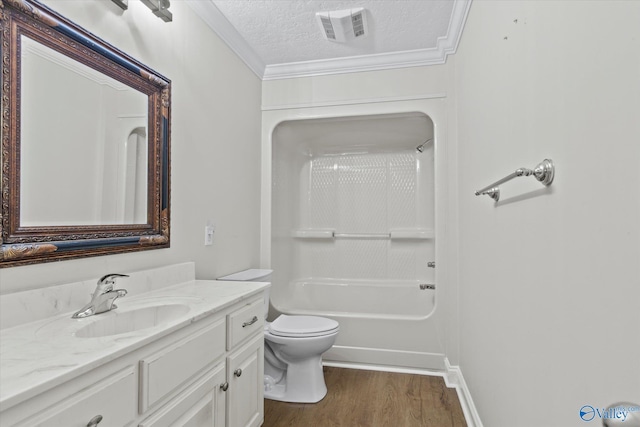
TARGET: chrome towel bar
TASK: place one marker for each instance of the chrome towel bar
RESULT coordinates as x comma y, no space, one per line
543,172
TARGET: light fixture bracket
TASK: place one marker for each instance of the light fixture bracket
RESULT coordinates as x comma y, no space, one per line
123,4
160,8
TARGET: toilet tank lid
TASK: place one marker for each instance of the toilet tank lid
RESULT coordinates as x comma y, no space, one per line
253,274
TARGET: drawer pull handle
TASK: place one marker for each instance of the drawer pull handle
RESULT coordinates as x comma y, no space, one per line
224,387
237,372
94,421
250,322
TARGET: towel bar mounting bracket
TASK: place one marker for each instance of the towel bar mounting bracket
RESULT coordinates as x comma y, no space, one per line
544,172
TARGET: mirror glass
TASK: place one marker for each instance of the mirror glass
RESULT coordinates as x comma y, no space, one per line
85,133
88,131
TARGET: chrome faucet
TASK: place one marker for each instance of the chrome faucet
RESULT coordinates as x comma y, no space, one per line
103,297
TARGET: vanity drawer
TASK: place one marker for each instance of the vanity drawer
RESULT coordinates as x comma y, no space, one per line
244,322
112,398
163,372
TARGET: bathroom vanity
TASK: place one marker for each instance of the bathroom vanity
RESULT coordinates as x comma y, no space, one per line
189,354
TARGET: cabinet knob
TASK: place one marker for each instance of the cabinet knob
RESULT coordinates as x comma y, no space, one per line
224,387
94,421
237,372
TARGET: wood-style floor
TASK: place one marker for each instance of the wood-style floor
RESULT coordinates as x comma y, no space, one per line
373,399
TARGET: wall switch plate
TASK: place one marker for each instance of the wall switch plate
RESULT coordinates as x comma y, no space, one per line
208,234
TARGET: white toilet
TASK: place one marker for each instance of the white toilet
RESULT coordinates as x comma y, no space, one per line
293,350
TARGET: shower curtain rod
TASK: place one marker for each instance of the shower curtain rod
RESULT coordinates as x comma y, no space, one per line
543,172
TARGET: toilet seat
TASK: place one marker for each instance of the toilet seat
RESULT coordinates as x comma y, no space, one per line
302,326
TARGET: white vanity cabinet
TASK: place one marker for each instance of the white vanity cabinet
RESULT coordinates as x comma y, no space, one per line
208,373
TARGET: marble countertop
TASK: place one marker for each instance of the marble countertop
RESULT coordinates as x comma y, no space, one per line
40,355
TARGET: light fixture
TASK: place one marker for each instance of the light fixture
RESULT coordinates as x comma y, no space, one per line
343,25
160,8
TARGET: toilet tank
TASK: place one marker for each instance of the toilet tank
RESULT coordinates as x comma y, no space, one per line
253,275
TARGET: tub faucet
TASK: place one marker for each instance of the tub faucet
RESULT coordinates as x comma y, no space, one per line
103,297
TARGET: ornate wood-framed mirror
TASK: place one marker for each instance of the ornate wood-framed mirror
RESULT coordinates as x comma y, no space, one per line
85,143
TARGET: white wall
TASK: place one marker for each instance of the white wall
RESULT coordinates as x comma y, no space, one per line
215,137
550,279
345,88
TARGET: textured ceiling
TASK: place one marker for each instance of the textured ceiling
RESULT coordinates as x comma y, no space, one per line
282,38
283,31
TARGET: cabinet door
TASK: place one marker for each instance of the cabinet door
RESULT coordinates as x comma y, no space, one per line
245,374
163,372
201,404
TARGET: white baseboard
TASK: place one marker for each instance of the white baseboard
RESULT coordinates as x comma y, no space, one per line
453,378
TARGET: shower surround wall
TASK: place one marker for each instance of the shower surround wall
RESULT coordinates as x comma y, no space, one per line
365,200
353,230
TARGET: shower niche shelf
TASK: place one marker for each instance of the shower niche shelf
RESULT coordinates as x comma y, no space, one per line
394,234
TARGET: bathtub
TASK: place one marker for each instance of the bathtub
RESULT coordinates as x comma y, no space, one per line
363,298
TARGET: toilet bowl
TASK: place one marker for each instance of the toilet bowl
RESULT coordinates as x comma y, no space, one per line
293,350
293,357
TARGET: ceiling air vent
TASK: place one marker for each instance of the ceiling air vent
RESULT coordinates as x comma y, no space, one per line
357,21
327,27
343,25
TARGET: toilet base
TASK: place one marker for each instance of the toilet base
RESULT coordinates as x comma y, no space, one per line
302,383
279,392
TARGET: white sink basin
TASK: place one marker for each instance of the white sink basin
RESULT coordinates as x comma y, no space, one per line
119,321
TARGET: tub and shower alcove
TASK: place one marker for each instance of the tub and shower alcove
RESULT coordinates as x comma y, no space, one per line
353,232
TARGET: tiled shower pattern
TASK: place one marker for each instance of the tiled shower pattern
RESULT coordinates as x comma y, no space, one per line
367,195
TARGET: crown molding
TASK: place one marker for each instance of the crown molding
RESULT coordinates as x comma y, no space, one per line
212,16
456,25
445,46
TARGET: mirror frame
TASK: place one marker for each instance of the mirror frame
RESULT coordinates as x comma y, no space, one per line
21,245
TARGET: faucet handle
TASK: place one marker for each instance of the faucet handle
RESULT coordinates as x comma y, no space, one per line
106,282
110,278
